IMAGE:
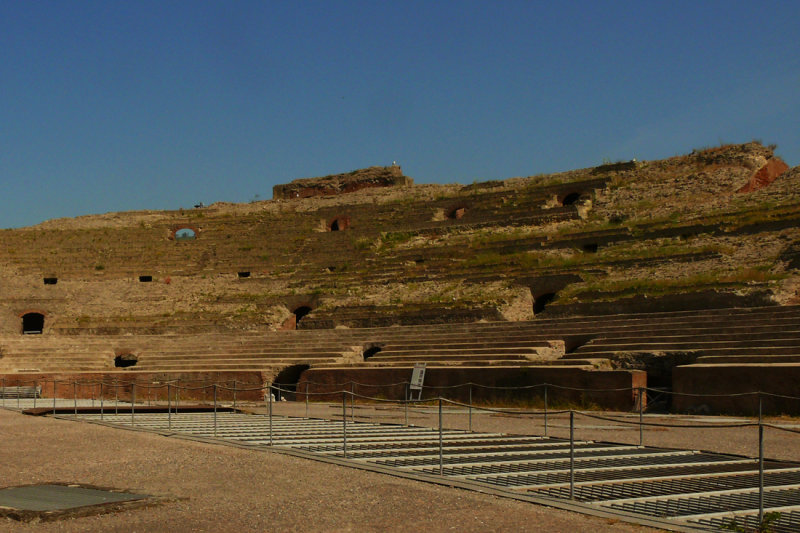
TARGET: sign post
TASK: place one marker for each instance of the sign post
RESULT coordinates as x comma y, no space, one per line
417,379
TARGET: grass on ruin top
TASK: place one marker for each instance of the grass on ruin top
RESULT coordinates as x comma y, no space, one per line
743,277
619,252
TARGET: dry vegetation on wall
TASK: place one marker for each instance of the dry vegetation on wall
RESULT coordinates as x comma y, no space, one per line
600,234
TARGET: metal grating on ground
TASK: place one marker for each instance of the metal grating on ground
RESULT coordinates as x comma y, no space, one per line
685,488
53,501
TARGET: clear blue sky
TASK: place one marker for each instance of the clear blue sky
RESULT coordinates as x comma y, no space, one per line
113,106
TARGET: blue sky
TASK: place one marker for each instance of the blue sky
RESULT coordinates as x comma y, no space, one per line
113,106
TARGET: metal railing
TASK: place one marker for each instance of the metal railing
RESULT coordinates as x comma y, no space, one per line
168,394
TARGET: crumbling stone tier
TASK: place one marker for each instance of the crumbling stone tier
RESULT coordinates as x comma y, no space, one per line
679,274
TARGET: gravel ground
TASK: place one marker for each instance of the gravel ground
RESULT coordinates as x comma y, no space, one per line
221,488
210,487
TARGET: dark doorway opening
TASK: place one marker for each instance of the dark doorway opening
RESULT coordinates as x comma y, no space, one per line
339,223
285,385
299,313
541,301
145,279
244,274
571,199
50,281
590,247
32,324
371,350
125,360
457,212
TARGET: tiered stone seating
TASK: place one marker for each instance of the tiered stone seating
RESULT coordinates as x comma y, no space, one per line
428,273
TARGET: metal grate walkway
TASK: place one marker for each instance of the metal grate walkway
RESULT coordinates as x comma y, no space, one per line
688,489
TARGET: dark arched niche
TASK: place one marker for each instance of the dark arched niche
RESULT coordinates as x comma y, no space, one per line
457,212
339,223
541,301
300,312
32,323
571,198
371,349
284,385
125,360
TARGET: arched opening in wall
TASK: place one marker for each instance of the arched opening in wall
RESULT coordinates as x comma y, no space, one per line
299,313
339,224
590,247
371,349
32,323
571,199
541,301
125,360
145,279
243,274
284,386
185,234
457,212
50,281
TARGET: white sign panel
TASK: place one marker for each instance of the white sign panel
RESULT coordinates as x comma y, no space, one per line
418,376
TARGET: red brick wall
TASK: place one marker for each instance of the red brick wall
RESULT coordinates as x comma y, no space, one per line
148,384
782,379
328,380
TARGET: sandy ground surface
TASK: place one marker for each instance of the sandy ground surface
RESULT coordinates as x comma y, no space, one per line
212,487
222,488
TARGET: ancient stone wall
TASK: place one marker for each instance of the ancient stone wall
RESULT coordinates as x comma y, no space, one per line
343,183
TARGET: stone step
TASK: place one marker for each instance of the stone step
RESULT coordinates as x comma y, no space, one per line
587,364
734,359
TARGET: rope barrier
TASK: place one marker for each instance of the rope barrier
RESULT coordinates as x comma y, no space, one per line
504,411
780,428
658,424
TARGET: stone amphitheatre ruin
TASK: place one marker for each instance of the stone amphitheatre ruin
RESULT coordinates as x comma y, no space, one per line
679,274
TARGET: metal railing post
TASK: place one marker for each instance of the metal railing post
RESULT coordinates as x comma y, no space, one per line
405,406
441,450
116,397
352,401
572,455
760,470
4,392
169,405
641,411
35,392
470,407
215,409
133,402
306,399
101,400
269,395
344,424
234,394
760,409
545,409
